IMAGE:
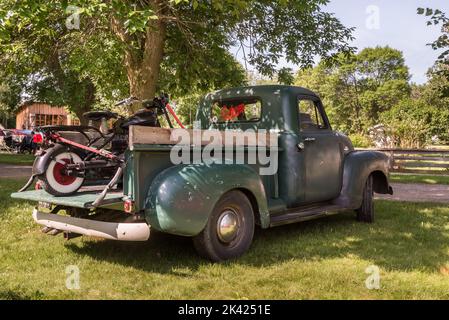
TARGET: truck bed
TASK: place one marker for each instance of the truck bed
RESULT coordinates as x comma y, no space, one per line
82,199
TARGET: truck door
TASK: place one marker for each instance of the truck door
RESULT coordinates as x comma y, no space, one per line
321,153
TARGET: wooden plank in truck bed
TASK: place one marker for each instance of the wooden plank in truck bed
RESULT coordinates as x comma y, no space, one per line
163,136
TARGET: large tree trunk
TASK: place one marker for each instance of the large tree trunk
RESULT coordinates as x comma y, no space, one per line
143,74
143,66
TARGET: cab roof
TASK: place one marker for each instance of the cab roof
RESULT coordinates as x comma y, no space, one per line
261,90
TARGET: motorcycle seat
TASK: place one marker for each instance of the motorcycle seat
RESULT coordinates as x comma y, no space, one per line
98,115
144,117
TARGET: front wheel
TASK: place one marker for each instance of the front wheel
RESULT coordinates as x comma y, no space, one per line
55,181
366,211
229,230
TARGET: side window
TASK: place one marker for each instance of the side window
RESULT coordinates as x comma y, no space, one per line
310,117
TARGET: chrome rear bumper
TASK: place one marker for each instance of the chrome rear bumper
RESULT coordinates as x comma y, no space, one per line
101,229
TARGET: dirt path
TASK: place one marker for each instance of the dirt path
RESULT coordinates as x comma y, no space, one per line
418,193
14,171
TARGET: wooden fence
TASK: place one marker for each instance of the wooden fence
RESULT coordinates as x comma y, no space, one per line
427,161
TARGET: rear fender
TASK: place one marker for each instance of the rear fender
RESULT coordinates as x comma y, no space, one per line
42,162
357,168
181,198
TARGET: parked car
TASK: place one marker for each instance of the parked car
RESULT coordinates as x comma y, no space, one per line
18,141
219,203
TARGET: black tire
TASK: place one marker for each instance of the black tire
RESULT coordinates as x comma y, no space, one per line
211,243
49,185
366,212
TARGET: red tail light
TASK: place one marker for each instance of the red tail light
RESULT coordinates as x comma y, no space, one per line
38,138
38,186
128,206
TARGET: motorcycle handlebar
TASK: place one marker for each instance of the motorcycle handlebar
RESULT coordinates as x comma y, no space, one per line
158,103
127,101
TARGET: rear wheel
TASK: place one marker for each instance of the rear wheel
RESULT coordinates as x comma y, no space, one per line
366,212
55,181
230,229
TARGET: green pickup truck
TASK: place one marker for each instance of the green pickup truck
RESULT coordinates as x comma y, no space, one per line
272,159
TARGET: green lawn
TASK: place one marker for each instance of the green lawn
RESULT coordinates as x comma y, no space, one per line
418,178
318,259
18,159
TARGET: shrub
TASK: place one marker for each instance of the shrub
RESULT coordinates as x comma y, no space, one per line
409,123
360,141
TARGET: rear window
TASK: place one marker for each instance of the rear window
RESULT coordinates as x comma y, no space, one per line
238,110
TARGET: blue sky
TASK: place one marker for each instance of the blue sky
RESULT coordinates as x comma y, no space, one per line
399,27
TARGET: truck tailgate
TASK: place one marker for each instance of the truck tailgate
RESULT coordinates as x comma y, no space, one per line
81,199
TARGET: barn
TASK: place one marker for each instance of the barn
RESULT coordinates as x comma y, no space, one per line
34,114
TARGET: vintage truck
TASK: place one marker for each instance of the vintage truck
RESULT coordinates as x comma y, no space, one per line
313,172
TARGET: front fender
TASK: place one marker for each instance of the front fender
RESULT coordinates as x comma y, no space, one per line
357,167
181,198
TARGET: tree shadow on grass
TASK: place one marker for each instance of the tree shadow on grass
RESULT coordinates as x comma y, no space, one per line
399,240
161,253
405,237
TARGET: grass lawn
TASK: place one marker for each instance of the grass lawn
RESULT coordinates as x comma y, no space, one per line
319,259
18,159
418,178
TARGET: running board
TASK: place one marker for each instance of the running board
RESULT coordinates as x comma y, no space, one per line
304,214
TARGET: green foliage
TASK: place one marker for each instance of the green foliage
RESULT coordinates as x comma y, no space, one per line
435,95
360,141
413,122
409,123
187,106
10,91
285,76
121,45
437,17
357,88
436,90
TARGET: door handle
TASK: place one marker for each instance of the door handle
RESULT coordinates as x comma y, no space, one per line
310,139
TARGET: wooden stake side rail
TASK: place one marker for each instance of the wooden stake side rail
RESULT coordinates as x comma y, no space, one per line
163,136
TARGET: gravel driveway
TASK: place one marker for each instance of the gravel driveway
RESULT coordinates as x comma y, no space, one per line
14,171
418,193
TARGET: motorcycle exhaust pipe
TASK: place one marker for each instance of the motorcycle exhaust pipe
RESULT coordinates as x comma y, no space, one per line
85,165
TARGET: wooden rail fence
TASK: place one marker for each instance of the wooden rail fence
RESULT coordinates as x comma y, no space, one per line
427,161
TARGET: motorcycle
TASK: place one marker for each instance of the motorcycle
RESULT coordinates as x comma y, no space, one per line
63,165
